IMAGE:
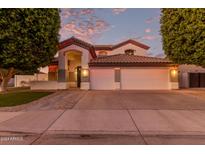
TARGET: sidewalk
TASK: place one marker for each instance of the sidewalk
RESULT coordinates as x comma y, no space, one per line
103,127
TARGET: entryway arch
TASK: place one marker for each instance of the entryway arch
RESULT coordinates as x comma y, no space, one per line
74,62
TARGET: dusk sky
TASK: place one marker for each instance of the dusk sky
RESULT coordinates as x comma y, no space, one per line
110,26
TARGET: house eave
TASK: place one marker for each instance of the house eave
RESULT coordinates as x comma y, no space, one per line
132,65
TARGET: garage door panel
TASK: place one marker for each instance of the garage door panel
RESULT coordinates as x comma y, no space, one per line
144,79
196,80
102,79
202,80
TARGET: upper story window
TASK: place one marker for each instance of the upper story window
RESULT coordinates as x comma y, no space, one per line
129,52
102,53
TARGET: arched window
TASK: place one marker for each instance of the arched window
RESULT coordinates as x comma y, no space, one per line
129,52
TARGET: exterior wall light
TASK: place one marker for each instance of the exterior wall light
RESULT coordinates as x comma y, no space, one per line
174,75
173,72
85,72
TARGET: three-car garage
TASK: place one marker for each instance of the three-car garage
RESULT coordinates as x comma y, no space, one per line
130,78
132,72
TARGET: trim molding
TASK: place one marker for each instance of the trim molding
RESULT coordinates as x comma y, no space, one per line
131,65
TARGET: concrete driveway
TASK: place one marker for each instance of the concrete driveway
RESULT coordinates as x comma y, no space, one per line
140,100
109,117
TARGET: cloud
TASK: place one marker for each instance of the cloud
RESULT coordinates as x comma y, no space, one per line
152,19
84,29
150,37
149,20
66,13
86,11
118,10
82,23
148,30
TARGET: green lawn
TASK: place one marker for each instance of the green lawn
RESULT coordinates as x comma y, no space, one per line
18,98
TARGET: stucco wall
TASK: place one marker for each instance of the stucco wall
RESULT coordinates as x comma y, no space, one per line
44,69
121,50
47,85
62,58
24,80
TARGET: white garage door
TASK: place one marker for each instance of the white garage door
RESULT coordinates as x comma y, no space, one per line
102,79
145,78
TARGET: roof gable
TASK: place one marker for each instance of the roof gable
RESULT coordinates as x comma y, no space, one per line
131,42
92,48
112,47
78,42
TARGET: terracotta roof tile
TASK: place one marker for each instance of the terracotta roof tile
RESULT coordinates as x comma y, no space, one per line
123,59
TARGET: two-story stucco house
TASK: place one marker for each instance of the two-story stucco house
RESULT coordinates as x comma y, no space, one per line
108,67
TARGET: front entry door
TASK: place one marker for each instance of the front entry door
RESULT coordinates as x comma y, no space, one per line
78,76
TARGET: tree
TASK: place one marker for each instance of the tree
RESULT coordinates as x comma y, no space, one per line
28,40
183,35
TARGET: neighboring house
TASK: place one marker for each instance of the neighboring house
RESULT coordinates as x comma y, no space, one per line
191,76
108,67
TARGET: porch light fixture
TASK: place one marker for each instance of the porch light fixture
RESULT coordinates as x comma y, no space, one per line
173,72
85,72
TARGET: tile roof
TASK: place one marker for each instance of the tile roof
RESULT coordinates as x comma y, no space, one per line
128,60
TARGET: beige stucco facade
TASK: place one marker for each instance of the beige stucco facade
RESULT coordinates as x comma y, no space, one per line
67,69
121,50
137,50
